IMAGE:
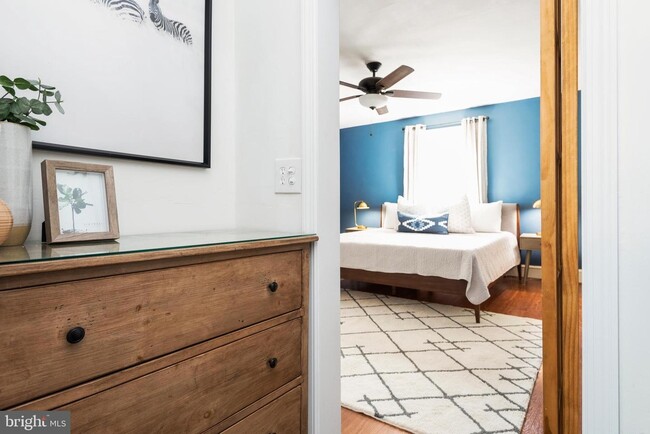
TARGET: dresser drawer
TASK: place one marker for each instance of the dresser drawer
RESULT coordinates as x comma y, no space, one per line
281,416
197,393
135,317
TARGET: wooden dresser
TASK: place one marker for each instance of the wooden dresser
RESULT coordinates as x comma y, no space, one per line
178,333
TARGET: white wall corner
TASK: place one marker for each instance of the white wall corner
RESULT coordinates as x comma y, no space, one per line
320,202
600,295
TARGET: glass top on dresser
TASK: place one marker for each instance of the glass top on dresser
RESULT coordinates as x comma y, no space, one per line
36,251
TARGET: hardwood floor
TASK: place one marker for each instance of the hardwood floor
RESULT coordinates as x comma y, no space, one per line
508,297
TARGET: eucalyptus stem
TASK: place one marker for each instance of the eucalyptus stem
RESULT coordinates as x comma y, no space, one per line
20,109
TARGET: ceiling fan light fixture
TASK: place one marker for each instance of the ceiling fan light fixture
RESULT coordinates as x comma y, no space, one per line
373,100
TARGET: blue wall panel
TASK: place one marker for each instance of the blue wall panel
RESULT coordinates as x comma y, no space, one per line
372,160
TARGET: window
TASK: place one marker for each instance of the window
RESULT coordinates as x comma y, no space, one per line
440,166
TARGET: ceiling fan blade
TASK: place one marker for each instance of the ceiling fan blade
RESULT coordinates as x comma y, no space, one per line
382,110
395,76
349,97
413,94
353,86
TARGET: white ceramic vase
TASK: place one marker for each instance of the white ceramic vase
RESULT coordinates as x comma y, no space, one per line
16,179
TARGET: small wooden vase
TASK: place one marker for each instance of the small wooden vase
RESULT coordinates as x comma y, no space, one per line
6,222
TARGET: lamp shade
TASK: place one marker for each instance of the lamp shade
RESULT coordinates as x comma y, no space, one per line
362,205
373,100
537,204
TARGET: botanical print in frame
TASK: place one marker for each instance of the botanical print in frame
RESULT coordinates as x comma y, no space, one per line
79,201
135,74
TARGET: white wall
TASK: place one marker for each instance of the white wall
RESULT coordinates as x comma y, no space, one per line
153,197
615,158
634,213
287,106
268,62
322,106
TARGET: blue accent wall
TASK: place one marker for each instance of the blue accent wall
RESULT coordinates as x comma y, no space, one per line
372,161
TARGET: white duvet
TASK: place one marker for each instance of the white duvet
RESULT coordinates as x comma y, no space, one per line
477,258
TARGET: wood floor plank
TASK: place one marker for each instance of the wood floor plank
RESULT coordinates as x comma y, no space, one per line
357,423
510,297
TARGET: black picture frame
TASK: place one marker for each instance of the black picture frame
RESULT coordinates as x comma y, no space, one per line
207,120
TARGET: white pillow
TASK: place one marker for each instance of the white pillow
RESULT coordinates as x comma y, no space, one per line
460,217
406,207
390,217
486,217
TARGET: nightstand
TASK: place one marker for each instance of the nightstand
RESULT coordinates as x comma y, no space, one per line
355,229
529,242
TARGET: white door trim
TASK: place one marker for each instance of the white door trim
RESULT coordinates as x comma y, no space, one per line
320,206
599,84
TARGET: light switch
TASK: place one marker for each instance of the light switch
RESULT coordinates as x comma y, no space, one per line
288,175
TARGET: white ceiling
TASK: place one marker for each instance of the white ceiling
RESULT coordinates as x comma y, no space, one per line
474,52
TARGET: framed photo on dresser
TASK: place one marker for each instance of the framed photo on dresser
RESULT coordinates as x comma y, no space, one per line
79,202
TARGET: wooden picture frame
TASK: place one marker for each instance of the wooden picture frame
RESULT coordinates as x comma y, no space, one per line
79,202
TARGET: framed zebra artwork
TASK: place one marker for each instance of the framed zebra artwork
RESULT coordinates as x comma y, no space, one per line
136,75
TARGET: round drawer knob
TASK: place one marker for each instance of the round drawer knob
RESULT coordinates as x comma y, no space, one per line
75,335
273,286
273,362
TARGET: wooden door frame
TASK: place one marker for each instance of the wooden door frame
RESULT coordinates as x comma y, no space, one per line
559,192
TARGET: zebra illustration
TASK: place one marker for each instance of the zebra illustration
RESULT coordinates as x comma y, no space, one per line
177,29
125,9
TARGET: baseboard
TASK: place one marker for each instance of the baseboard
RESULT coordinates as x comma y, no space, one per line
535,272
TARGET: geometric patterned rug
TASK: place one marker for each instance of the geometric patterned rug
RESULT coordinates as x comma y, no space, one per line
429,368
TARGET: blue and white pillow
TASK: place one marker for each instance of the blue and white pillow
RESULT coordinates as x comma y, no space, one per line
438,224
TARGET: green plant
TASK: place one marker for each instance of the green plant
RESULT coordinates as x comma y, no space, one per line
74,197
20,109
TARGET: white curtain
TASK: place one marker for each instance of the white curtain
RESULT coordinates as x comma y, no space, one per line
475,132
412,135
444,162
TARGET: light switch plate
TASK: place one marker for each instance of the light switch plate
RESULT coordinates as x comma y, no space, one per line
288,175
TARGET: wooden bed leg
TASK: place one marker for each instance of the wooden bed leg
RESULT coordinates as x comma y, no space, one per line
393,291
519,272
477,313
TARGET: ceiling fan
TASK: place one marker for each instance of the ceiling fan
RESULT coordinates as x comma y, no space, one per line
376,89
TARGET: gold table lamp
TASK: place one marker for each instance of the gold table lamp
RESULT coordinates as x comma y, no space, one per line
359,204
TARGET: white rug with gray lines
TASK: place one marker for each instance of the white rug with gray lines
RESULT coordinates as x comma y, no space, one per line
429,368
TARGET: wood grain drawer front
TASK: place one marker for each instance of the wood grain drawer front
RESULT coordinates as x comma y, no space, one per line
197,393
282,416
134,317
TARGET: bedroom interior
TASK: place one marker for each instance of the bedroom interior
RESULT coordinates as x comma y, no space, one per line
482,79
195,302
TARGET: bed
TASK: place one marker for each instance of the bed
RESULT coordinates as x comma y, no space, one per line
453,263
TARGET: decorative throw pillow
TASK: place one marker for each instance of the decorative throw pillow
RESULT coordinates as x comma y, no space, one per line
390,220
460,217
486,217
421,224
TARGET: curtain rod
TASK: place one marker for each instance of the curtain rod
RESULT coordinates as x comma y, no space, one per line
445,125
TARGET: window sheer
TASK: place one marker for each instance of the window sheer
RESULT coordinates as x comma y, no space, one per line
443,164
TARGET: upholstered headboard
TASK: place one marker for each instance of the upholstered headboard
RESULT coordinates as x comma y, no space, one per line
509,217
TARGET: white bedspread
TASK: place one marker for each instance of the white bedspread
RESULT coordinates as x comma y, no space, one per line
477,258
